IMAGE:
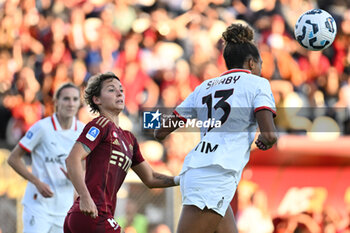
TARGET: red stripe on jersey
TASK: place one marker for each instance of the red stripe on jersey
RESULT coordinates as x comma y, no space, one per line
53,123
179,116
266,108
23,147
236,70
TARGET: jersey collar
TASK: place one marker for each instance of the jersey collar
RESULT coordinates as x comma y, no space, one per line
56,124
236,70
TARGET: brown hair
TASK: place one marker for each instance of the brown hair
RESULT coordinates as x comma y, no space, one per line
64,86
239,45
94,87
58,92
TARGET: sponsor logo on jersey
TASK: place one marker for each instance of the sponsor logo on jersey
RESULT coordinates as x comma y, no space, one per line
29,135
206,147
92,133
120,159
58,159
131,147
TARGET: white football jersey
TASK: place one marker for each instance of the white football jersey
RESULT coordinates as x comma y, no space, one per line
49,146
232,99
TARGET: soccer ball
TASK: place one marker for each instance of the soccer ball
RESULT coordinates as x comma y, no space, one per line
315,30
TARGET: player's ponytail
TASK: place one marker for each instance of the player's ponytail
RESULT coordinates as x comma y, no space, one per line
239,45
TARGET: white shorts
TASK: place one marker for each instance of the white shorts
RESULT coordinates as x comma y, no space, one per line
212,187
35,221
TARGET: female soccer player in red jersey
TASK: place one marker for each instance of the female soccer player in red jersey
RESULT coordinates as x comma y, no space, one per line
240,100
109,152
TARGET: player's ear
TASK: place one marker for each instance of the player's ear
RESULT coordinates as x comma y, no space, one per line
251,64
96,100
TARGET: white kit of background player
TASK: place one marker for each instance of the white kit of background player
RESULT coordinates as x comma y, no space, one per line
49,146
49,193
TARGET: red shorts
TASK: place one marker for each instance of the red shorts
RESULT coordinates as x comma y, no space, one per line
77,222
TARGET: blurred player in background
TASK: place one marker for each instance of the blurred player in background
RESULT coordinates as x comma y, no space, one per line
239,99
109,152
49,193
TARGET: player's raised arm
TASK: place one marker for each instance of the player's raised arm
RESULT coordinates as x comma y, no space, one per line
162,132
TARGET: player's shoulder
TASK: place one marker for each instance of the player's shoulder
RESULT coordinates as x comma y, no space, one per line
257,81
44,123
98,125
100,122
257,78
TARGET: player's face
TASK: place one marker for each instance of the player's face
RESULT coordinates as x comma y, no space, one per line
112,96
68,102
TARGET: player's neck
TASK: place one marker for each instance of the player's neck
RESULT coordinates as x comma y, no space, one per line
112,117
65,122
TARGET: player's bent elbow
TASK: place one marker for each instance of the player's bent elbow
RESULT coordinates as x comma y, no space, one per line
149,184
10,161
69,162
150,181
13,159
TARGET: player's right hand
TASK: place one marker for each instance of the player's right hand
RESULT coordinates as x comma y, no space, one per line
88,207
44,189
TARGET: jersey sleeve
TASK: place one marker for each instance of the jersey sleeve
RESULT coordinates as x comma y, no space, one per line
92,135
186,110
32,137
264,98
137,157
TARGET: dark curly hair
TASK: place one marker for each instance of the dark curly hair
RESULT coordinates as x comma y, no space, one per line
239,45
94,87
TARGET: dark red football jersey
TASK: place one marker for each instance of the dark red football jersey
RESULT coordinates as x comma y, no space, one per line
113,152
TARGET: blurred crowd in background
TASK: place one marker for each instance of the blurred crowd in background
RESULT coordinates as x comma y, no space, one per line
161,50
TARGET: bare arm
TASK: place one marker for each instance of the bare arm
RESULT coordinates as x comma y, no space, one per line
16,162
76,174
151,178
268,135
162,132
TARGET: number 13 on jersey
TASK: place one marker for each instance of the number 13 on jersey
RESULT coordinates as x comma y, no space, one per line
223,95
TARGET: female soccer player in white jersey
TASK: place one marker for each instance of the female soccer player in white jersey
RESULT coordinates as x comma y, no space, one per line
240,100
49,194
